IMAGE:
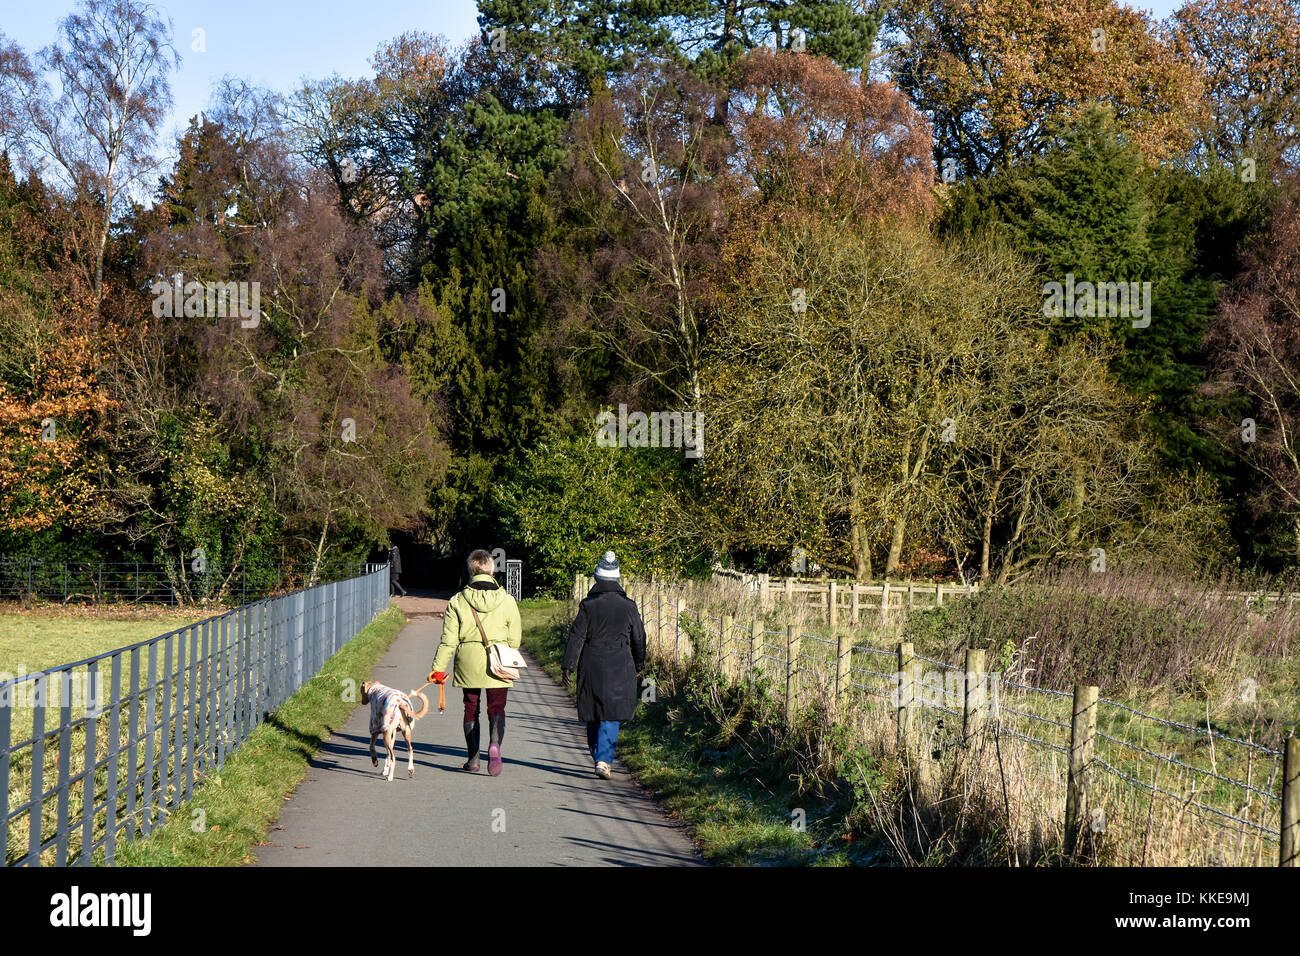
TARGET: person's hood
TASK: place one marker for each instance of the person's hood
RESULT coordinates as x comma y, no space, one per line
484,594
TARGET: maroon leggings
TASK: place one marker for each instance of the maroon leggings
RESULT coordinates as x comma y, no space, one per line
496,702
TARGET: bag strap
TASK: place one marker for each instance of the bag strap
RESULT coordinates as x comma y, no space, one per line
481,633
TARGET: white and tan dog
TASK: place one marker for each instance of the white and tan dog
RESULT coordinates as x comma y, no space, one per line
390,711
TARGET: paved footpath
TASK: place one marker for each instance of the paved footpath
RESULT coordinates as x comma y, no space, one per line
554,810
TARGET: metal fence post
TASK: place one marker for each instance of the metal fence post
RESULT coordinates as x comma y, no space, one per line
35,812
114,759
299,612
6,707
1290,849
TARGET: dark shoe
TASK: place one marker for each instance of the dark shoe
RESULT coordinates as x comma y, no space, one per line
471,747
496,734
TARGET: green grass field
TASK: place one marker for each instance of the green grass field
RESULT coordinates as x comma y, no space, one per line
35,640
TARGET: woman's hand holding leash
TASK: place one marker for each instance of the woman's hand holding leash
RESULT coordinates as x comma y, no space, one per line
435,677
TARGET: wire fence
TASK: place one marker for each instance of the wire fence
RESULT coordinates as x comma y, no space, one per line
33,581
1220,795
137,728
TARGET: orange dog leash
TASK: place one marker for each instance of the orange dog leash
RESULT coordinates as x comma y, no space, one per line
442,699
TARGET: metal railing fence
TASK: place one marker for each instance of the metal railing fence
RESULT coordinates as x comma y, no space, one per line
29,580
137,727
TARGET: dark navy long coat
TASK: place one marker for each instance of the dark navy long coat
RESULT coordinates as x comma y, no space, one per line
607,646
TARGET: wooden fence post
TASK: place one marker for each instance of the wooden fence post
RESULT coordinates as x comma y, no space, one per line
755,643
843,661
857,601
884,602
789,590
974,702
791,666
677,647
938,595
1290,851
909,594
764,583
906,692
832,600
726,645
660,614
1083,729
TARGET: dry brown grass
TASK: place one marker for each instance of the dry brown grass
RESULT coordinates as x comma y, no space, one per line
993,798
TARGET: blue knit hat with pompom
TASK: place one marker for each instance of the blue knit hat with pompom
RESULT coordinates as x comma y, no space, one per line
607,567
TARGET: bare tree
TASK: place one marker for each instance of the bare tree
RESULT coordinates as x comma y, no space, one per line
1256,339
96,132
15,75
648,219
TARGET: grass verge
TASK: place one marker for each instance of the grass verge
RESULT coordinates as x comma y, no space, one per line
233,809
741,811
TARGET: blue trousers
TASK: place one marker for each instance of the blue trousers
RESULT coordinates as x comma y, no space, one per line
601,737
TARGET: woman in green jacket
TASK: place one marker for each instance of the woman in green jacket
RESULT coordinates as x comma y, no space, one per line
462,636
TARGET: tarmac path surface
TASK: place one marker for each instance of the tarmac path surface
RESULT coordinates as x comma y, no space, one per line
546,808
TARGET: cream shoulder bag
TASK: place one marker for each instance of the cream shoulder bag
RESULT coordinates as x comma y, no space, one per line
504,662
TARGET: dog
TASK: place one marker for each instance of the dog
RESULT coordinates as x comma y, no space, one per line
390,711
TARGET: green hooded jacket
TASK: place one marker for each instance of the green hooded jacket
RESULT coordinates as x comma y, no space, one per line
460,636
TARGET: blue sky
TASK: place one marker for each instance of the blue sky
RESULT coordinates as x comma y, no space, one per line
275,43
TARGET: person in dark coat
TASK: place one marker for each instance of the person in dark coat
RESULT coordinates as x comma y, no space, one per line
395,568
607,646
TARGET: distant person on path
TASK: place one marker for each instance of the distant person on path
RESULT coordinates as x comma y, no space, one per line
607,646
466,638
395,568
